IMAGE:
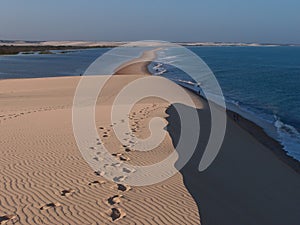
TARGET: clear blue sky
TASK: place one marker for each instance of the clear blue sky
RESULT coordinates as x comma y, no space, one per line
271,21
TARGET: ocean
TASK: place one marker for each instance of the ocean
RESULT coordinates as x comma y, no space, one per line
63,63
260,83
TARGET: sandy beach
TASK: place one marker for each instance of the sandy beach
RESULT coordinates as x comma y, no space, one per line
46,180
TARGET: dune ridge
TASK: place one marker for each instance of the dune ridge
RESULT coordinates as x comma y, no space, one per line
46,180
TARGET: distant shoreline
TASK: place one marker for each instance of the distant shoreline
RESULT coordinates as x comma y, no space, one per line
103,44
15,47
28,49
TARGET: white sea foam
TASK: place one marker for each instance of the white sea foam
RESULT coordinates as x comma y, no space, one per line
286,134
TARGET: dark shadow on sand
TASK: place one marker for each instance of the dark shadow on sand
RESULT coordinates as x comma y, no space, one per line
246,184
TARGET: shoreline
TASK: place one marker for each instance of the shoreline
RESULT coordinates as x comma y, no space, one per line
255,130
260,135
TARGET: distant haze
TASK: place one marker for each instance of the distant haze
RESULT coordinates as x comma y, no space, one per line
268,21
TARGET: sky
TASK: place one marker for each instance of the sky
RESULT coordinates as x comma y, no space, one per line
262,21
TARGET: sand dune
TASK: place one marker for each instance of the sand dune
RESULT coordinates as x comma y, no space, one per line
46,180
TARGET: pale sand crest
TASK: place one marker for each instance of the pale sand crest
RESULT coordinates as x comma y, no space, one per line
45,179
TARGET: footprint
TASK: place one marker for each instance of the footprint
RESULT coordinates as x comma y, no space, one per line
116,199
116,164
119,178
127,150
98,158
67,192
99,173
96,182
124,158
50,205
122,187
125,170
121,156
117,214
6,218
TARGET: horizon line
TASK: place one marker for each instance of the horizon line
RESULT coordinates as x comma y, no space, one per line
124,41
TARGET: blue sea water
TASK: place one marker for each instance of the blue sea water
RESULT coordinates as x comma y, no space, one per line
260,83
67,62
72,63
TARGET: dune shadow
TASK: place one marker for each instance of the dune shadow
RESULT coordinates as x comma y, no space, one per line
190,170
242,186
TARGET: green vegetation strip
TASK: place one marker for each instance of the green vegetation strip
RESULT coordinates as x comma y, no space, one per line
13,50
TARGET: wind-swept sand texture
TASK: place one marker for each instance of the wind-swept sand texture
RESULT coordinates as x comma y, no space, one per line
44,179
